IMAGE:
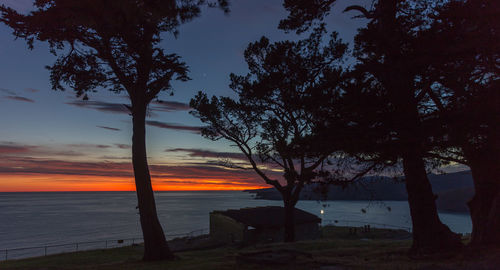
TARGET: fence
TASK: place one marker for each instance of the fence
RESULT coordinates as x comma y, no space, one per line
361,223
44,250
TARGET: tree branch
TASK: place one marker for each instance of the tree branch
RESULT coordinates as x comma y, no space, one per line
366,13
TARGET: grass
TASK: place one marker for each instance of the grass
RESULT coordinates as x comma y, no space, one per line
375,250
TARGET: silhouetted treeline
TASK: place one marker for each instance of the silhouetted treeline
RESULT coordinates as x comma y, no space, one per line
270,121
422,93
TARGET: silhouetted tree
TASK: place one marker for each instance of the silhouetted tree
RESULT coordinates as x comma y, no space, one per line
386,70
462,81
114,44
271,121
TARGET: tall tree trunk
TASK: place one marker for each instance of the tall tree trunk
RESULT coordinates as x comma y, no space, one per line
429,234
289,220
485,205
155,244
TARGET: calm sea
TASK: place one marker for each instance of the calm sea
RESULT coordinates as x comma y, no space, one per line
45,218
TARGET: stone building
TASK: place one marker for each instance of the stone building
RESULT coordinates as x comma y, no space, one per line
260,224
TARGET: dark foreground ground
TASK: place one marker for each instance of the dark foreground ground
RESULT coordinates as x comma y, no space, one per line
337,250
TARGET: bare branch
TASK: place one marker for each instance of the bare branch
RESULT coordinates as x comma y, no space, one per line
366,13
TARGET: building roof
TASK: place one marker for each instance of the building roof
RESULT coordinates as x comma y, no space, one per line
267,216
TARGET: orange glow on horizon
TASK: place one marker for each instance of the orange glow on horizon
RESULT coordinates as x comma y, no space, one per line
59,183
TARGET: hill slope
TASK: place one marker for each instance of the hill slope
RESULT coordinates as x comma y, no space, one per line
453,190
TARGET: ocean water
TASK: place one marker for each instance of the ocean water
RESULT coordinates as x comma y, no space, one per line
46,218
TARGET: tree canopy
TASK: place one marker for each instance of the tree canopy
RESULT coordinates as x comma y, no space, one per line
390,127
110,44
270,122
115,44
461,80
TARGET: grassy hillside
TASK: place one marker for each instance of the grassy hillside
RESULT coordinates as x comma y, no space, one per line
379,249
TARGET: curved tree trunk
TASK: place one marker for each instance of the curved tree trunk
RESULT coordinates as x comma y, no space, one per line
289,221
485,205
429,233
155,244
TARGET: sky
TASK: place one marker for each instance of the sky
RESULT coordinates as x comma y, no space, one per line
53,141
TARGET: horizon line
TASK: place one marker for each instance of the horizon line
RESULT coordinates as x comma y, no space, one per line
61,191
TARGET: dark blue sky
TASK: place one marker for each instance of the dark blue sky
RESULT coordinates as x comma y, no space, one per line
39,124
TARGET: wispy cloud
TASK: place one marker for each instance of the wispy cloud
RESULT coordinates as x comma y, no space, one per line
202,171
156,106
7,91
12,95
79,150
23,165
174,126
89,145
208,154
100,106
169,106
20,160
10,148
31,90
109,128
123,146
115,158
16,149
19,98
198,173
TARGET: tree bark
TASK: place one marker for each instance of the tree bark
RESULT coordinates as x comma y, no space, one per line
429,234
485,205
155,244
289,221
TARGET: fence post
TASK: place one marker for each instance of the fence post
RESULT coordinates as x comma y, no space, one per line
6,251
76,246
106,243
45,247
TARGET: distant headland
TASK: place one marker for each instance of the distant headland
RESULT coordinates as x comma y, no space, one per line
453,191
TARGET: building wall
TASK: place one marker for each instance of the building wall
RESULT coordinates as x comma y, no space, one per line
226,229
267,235
309,231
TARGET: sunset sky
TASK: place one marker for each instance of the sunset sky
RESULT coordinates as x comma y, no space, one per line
52,141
